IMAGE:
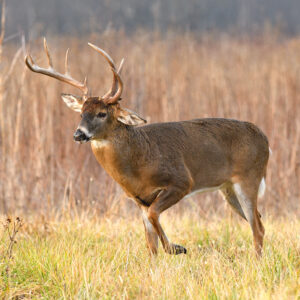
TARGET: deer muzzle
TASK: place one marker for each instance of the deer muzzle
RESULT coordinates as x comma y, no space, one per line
81,136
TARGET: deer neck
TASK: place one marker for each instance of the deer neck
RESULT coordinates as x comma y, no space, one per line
118,153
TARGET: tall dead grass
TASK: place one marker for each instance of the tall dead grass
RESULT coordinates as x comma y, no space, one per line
175,77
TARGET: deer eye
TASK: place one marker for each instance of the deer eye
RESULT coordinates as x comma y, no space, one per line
101,115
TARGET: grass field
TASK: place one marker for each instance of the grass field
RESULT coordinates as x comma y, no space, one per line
83,258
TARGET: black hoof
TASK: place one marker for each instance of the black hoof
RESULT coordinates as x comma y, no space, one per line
177,249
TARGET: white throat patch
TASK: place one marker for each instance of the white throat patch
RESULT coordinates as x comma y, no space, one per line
100,143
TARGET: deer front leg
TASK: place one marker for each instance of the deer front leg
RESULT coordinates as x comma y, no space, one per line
165,199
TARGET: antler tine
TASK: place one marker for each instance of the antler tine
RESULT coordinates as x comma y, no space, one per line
115,98
30,63
121,66
67,70
48,54
50,71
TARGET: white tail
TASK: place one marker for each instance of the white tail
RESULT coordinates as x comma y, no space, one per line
262,188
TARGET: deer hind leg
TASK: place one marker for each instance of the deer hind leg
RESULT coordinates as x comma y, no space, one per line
165,199
246,192
230,196
150,234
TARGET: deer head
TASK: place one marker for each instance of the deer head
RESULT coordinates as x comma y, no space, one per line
99,115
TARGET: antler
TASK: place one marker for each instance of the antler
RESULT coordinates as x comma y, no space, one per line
114,94
116,97
66,77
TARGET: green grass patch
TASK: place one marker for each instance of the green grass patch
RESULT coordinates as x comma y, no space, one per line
105,259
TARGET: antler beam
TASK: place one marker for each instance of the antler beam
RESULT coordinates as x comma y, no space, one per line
50,71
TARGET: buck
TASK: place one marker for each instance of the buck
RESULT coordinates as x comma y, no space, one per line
157,165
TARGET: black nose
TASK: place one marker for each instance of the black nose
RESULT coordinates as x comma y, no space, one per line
79,136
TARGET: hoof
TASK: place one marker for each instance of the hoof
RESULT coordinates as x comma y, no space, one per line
177,249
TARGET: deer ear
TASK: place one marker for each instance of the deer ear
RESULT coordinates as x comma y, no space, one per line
129,117
74,102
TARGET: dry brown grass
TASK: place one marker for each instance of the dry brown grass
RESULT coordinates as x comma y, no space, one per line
174,77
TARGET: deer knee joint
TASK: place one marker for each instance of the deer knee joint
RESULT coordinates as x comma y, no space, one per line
152,215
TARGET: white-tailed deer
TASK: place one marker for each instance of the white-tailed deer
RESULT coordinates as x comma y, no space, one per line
159,164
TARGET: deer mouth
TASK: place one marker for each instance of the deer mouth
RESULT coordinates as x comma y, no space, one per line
85,140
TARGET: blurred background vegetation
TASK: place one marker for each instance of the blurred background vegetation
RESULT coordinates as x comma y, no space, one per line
41,17
183,59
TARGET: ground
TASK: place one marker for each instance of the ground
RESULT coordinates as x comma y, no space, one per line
104,258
